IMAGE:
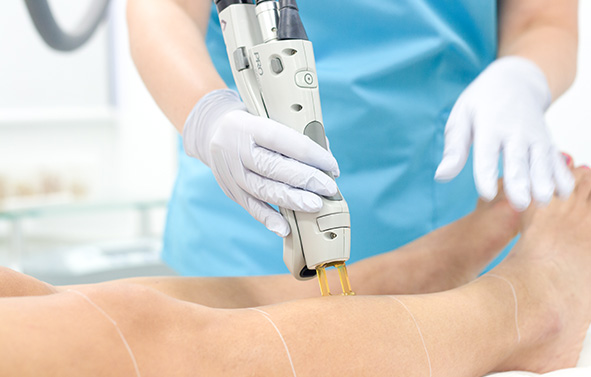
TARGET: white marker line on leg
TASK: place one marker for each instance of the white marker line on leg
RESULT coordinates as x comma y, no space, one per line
268,317
420,333
137,371
515,298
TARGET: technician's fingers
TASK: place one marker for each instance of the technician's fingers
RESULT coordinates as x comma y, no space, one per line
338,172
267,216
458,137
282,139
563,177
287,170
542,180
234,184
224,177
516,176
486,167
280,194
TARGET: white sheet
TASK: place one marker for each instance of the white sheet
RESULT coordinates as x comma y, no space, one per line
583,368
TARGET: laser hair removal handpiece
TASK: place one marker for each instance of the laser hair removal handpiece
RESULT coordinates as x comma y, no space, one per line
275,72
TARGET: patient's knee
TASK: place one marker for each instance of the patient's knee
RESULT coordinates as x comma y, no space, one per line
143,311
130,302
14,284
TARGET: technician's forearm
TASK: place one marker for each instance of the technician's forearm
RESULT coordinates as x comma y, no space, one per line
168,48
545,32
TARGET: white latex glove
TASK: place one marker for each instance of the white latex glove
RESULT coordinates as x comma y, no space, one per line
502,110
257,161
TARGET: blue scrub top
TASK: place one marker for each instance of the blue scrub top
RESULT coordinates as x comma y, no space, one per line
389,73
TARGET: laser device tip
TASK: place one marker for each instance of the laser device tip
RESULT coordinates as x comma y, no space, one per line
343,277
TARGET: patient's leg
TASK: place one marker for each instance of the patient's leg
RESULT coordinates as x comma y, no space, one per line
467,331
446,258
95,330
531,313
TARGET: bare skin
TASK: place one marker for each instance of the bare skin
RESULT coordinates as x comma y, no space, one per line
468,331
524,27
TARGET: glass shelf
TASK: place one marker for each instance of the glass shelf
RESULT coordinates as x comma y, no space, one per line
15,212
56,207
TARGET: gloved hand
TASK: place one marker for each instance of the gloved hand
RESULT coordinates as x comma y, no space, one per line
502,110
257,161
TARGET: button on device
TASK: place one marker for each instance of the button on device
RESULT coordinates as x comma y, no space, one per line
240,59
276,65
305,79
334,221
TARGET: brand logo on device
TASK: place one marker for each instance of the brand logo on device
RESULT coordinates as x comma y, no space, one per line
257,60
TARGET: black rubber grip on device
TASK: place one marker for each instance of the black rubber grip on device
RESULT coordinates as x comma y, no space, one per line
223,4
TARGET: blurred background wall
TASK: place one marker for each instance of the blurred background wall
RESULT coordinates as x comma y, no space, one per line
81,142
569,118
87,109
87,160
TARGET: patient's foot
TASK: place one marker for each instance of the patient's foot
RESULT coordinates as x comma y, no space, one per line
550,270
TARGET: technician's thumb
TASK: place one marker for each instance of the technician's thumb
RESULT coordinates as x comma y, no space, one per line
450,166
266,215
278,225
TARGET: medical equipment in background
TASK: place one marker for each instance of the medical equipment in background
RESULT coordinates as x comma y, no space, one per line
58,38
274,69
